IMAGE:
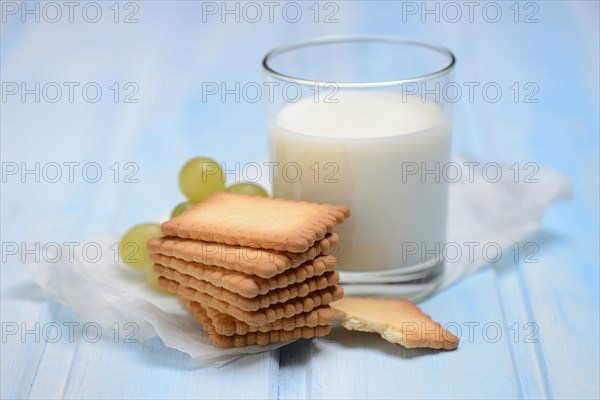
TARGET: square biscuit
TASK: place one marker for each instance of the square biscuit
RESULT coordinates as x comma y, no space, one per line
246,285
282,295
228,326
251,261
262,316
252,338
254,221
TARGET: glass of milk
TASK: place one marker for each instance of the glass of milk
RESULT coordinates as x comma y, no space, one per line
365,121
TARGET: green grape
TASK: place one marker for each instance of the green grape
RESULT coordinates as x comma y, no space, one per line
248,188
152,278
199,178
181,207
132,247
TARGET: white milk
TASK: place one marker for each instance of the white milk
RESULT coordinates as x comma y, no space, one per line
364,142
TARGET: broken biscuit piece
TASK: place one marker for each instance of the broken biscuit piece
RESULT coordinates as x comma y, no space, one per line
397,321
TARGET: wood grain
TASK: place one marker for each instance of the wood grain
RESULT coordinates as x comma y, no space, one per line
169,53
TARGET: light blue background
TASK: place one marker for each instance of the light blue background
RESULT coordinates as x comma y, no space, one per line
168,53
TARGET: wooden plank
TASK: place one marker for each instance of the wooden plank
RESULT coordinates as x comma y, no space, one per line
563,288
359,365
521,331
150,369
559,293
20,353
295,360
560,290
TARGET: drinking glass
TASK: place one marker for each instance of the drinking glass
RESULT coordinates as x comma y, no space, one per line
366,121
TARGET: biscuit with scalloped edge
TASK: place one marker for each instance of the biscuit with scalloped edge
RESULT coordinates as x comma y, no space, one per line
264,315
397,321
251,261
255,221
247,285
282,295
251,338
228,326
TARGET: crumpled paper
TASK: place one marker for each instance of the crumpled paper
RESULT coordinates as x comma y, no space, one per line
101,290
486,213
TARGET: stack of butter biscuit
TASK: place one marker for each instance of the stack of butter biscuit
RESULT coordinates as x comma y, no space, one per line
253,270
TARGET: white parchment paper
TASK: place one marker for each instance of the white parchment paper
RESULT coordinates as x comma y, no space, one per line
103,291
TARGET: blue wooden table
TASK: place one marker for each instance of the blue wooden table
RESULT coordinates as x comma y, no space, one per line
528,329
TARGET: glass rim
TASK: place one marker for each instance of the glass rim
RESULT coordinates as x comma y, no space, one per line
353,39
